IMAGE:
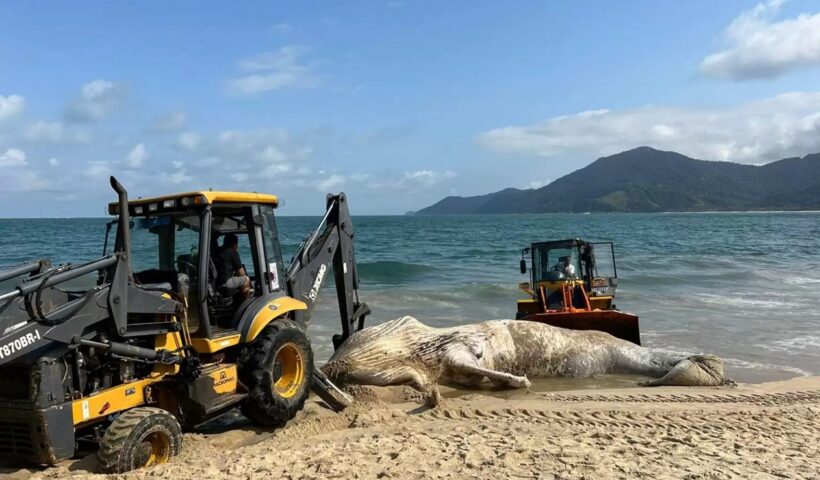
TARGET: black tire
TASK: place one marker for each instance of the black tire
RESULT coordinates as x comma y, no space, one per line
267,368
140,437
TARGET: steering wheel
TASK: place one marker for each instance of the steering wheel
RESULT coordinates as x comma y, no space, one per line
193,267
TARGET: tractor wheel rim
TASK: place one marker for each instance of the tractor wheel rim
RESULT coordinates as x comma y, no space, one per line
157,447
291,369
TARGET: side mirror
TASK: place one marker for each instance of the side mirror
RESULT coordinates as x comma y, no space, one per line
523,266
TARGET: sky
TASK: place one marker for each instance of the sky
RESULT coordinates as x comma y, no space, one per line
397,103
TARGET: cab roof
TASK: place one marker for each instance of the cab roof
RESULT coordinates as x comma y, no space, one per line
203,197
570,242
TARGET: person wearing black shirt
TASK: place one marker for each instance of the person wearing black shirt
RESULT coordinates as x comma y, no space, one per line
230,272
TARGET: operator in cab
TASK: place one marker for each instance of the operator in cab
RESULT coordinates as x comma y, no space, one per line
565,266
231,274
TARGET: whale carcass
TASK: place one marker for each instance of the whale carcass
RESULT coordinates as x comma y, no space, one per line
405,351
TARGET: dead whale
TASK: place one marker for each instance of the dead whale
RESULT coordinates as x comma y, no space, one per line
404,351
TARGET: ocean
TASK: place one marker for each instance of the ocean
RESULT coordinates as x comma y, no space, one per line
745,286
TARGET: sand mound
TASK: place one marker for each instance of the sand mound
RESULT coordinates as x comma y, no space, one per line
769,430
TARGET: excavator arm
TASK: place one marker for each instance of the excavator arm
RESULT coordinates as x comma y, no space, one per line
330,246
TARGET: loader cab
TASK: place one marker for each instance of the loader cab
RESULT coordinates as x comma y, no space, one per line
575,261
175,243
583,301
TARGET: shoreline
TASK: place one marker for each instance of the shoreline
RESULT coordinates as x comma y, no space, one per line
751,430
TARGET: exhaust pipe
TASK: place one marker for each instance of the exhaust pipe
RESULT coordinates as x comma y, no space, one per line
124,232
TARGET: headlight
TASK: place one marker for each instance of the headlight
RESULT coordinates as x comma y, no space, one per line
153,207
138,210
169,203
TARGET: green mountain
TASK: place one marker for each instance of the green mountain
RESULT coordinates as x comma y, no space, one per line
649,180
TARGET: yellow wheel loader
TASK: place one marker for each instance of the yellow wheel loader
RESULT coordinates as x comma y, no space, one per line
572,285
162,342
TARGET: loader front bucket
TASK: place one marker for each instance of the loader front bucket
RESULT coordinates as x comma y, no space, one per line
614,322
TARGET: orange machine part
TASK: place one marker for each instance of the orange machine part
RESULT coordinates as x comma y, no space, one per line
614,322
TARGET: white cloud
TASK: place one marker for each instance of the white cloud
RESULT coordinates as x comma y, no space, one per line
42,131
24,180
98,169
172,121
239,176
330,183
275,70
752,132
272,154
97,99
360,177
55,132
179,176
426,178
391,181
13,157
254,158
97,89
11,106
189,140
535,184
137,156
250,140
260,148
282,28
281,59
272,171
243,155
209,161
763,48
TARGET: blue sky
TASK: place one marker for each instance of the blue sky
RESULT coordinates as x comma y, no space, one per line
398,103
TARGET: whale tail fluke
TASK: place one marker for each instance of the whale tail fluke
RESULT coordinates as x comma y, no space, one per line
693,371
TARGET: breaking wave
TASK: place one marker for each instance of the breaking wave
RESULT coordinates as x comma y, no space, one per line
806,342
392,272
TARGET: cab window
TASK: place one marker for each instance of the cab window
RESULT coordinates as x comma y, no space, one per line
605,260
273,254
546,260
233,221
158,242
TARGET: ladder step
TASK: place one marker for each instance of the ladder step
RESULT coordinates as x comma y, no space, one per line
224,401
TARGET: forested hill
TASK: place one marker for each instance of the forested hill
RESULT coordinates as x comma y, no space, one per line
649,180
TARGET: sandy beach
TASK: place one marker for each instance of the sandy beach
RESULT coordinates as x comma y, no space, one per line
769,430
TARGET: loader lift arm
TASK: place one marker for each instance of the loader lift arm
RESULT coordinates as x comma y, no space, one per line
329,246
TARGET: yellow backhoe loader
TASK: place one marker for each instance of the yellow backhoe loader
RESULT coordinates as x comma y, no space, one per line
161,343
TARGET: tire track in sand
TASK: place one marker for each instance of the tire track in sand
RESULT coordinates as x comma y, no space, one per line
759,399
795,412
801,420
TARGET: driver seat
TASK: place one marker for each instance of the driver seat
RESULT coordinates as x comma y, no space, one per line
221,306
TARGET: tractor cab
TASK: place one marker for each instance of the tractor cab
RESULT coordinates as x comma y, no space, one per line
177,242
572,285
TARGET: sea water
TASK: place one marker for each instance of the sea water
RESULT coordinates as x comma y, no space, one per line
745,286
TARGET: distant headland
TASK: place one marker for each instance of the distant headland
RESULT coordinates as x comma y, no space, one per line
648,180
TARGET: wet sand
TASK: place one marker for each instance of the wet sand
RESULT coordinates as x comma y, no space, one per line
768,430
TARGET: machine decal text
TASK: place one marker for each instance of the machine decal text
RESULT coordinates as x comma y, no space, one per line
19,344
314,291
